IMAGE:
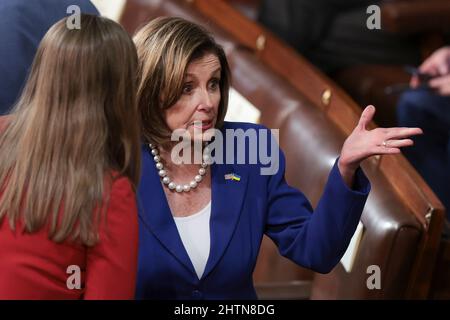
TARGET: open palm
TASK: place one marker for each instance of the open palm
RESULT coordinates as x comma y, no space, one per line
363,143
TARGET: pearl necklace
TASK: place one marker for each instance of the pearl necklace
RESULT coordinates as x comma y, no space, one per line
168,182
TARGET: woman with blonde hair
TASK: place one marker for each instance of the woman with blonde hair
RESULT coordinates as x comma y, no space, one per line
69,166
202,222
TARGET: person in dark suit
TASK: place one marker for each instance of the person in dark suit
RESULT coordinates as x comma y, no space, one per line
23,23
69,167
429,108
202,222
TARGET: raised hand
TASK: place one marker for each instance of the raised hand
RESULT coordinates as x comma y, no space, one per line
363,143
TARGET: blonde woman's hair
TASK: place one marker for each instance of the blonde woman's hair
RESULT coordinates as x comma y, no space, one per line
73,131
165,47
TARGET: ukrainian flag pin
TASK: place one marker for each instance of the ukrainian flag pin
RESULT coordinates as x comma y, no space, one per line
232,176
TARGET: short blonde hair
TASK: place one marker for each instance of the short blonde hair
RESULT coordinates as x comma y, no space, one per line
165,48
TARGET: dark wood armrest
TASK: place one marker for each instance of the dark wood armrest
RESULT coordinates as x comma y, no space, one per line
289,290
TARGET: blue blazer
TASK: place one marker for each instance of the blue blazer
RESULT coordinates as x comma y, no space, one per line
241,213
23,24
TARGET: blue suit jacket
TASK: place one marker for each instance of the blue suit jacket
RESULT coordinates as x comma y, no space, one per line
23,24
241,213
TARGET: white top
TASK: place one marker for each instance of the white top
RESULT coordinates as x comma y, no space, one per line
194,232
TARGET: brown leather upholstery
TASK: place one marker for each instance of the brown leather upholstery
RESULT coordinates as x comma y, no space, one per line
440,287
288,93
367,85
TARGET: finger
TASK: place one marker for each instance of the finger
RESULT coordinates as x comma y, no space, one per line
414,82
399,133
428,66
438,63
366,117
438,82
443,68
444,90
399,143
383,150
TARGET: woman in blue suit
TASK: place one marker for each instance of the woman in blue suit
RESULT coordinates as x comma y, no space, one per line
202,222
